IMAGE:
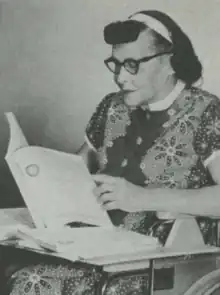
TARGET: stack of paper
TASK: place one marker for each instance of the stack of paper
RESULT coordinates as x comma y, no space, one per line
85,243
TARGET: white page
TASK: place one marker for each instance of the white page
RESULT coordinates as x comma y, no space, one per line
17,141
89,243
56,186
15,216
61,186
13,219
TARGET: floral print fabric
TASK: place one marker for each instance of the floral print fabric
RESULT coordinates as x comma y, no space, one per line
158,149
45,279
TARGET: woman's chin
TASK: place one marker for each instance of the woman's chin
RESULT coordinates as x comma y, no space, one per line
132,99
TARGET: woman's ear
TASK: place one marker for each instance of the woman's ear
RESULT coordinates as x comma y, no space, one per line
167,64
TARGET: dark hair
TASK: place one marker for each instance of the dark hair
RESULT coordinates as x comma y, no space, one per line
184,60
123,32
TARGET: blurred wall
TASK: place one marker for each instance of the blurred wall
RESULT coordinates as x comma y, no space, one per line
52,73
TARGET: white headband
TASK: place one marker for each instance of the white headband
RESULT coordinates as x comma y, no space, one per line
152,23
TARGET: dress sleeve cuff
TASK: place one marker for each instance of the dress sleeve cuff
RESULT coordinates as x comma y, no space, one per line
91,146
211,158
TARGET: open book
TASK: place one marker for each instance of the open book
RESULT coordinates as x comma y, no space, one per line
56,186
57,189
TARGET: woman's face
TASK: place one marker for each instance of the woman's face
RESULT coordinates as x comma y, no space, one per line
142,87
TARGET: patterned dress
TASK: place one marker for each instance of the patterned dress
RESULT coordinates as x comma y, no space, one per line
154,149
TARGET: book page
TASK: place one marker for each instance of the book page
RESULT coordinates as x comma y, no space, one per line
56,186
17,141
14,216
100,246
89,243
61,186
12,219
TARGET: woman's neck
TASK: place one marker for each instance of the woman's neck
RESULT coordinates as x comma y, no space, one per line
164,89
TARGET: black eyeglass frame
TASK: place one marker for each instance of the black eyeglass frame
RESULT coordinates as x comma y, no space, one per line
119,64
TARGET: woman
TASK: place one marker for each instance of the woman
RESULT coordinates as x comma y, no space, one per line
156,142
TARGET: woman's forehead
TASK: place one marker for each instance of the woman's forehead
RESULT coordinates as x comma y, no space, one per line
143,46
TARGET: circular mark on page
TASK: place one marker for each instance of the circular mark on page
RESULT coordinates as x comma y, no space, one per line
32,170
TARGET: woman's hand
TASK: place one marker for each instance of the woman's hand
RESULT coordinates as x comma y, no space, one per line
118,193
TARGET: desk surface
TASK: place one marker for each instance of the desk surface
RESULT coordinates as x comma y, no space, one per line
141,260
114,262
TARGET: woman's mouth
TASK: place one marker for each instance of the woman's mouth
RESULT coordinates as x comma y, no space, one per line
126,91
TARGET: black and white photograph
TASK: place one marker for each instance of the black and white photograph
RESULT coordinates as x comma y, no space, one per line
109,147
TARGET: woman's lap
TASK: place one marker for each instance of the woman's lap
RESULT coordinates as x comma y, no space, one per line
53,279
41,275
69,279
34,274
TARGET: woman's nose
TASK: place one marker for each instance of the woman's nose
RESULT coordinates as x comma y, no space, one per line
122,77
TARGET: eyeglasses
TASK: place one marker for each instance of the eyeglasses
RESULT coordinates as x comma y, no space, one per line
131,65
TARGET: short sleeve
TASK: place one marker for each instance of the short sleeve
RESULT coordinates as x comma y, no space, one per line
207,138
95,129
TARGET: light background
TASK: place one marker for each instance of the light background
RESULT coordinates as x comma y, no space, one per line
52,73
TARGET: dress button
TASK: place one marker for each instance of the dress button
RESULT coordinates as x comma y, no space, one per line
142,166
105,161
124,163
148,116
165,125
139,140
110,144
171,112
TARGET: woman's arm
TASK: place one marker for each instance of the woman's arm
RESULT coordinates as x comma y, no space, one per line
203,201
117,193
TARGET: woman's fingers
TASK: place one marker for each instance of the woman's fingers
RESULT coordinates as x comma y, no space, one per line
106,197
102,178
103,188
106,190
110,206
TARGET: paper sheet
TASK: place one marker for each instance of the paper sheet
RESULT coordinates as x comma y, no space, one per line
14,216
88,243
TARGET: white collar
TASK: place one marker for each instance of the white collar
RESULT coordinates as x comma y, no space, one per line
167,102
